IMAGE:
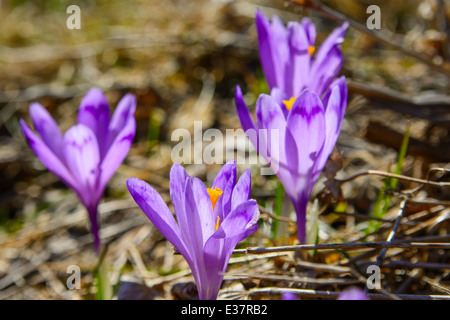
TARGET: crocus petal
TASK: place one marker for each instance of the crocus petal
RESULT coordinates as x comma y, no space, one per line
240,223
334,114
226,173
200,226
178,176
154,207
47,128
122,115
280,96
298,72
178,182
247,123
335,39
201,220
272,139
225,180
310,30
242,190
117,152
273,49
94,113
353,293
344,96
82,158
288,171
288,296
328,61
47,157
306,123
270,117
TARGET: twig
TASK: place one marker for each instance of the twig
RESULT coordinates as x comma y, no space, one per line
335,246
435,284
393,232
429,202
323,267
295,279
369,218
421,265
393,175
273,216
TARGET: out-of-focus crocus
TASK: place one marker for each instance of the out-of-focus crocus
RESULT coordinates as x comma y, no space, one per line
89,153
353,293
307,129
289,57
288,296
210,222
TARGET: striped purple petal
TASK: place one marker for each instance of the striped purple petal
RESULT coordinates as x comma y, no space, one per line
94,113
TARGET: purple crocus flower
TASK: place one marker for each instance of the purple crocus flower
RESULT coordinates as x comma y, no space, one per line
90,152
307,129
210,221
288,296
353,293
288,56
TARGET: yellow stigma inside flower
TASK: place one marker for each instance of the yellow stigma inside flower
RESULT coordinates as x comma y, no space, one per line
217,223
289,103
311,50
214,194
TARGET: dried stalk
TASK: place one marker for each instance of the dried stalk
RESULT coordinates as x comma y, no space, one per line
347,246
393,232
396,176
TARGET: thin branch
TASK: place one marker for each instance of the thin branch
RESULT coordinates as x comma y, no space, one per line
369,218
422,265
393,232
294,279
336,246
393,175
273,216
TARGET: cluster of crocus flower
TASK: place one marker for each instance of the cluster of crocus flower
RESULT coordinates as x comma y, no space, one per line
89,153
210,221
306,106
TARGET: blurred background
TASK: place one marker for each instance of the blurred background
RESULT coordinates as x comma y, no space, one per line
183,60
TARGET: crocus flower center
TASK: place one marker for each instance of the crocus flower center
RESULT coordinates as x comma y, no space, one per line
214,194
289,103
217,223
311,50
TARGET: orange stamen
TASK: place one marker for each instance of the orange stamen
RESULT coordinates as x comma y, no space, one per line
289,103
214,194
311,50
